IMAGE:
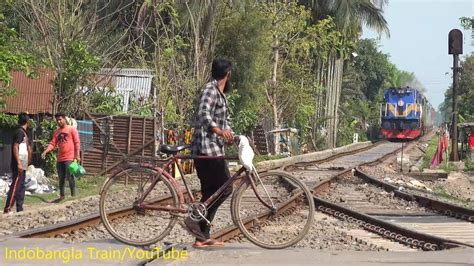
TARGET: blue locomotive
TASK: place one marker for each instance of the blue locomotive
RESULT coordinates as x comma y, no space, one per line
405,114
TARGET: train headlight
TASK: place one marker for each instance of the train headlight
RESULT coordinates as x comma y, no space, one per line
400,103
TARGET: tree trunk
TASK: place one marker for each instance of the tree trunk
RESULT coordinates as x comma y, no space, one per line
333,93
330,102
339,64
276,56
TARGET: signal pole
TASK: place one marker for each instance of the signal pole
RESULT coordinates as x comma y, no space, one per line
455,48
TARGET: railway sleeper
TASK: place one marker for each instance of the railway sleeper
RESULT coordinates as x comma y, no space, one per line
386,233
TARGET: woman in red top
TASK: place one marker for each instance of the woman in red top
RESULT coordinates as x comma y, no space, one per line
66,139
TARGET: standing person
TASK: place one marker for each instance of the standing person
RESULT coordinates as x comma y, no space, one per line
212,130
21,158
66,139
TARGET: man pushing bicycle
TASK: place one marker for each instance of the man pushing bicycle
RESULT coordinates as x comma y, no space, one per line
211,132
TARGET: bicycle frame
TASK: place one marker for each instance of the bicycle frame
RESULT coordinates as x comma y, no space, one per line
216,195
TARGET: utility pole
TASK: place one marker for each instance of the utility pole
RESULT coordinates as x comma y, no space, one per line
455,48
401,160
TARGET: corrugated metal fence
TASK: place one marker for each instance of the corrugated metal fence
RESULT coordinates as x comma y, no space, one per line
116,138
133,84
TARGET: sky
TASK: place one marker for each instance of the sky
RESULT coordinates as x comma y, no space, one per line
418,40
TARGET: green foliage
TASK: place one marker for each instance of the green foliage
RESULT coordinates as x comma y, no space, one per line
48,126
350,16
142,107
432,145
467,22
179,39
328,40
469,165
247,48
365,78
12,57
8,121
430,151
374,68
75,66
268,157
465,91
104,101
356,117
243,121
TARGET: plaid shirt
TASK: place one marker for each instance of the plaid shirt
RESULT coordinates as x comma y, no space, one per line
211,112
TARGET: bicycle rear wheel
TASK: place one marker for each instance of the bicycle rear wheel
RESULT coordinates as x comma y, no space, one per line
282,227
121,215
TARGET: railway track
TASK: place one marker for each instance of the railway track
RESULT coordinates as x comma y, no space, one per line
56,230
319,175
423,224
430,230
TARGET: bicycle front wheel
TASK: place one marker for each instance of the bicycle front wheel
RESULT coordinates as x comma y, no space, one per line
121,214
283,225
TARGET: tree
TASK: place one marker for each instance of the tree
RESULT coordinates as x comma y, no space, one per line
75,38
466,91
179,39
12,57
290,41
349,16
465,85
364,80
245,43
468,23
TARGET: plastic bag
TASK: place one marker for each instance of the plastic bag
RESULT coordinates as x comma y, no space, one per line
73,167
76,169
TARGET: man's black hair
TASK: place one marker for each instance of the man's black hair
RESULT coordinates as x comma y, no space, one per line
23,119
60,114
220,68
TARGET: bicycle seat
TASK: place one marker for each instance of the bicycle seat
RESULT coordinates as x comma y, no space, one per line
170,149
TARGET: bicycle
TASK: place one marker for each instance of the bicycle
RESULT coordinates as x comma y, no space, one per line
272,209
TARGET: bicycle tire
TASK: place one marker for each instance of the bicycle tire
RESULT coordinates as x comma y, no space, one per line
279,230
126,223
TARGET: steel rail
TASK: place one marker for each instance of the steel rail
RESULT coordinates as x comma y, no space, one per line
76,224
383,228
94,219
442,207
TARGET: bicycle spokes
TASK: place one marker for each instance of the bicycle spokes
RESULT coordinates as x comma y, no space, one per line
258,182
289,217
127,216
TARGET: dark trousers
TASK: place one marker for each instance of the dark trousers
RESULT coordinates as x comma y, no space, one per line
16,193
212,174
63,175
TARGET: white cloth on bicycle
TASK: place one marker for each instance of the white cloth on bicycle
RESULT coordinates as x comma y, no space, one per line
246,153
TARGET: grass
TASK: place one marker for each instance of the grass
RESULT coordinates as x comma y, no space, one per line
430,151
443,193
469,164
261,158
85,187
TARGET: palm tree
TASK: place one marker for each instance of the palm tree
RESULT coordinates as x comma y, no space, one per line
350,16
